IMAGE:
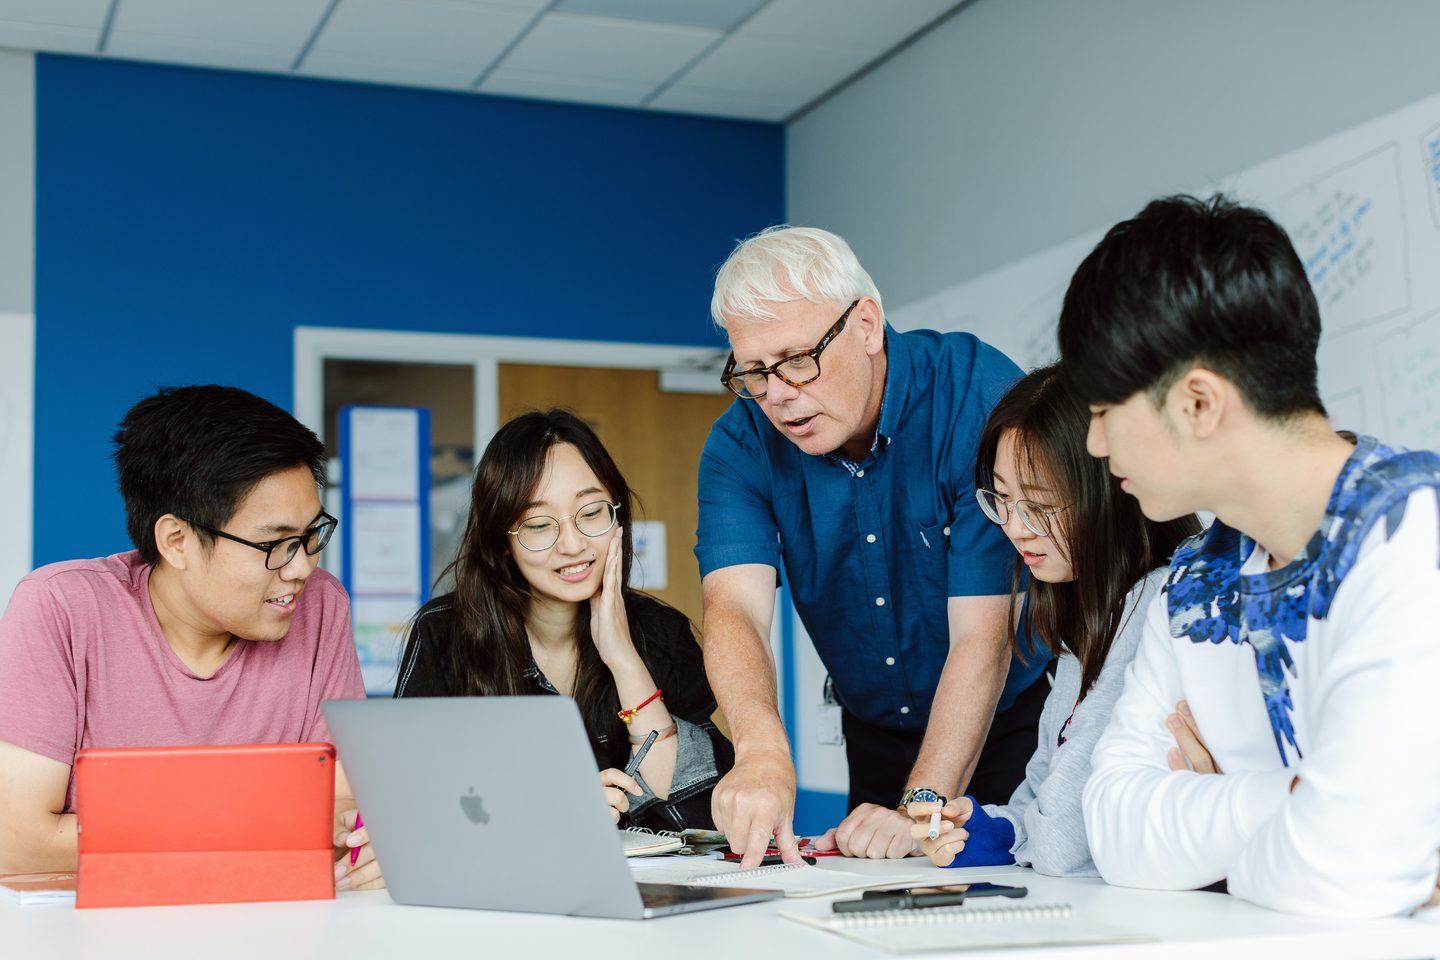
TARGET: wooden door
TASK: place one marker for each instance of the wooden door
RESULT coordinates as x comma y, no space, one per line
654,436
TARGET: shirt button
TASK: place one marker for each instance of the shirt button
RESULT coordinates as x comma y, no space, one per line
889,661
879,601
870,538
947,531
859,473
904,709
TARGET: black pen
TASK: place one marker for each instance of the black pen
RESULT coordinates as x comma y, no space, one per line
900,901
634,763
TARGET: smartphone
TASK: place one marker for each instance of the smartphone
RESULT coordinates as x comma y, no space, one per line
919,898
775,860
969,889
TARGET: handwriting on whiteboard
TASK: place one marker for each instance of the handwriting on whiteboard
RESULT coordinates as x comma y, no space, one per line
1348,226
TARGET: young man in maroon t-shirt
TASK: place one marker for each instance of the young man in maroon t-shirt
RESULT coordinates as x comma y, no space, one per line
218,628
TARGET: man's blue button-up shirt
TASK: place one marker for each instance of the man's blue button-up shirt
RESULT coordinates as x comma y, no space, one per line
872,551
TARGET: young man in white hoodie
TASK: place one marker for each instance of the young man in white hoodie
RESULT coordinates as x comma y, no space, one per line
1276,730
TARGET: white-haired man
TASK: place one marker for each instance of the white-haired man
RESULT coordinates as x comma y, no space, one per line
848,461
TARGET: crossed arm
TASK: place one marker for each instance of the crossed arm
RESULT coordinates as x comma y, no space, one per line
1352,830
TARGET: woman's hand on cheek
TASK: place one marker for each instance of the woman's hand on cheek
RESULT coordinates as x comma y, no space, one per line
608,624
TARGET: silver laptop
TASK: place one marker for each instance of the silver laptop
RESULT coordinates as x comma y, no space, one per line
494,802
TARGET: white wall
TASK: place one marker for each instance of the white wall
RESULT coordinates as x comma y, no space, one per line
17,305
17,182
1018,124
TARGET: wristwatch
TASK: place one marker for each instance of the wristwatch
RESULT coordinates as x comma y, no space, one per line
919,795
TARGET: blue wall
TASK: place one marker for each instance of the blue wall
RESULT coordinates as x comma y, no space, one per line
188,220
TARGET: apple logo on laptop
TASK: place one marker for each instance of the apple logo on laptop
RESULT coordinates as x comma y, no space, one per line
474,806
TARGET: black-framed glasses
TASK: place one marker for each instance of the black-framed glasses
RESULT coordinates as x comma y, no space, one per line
594,519
1035,516
282,551
796,370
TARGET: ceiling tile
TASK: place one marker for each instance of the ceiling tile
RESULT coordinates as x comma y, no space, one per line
431,42
712,14
520,83
861,24
60,13
787,72
717,103
534,6
391,70
45,36
266,22
266,58
63,26
566,45
257,35
218,53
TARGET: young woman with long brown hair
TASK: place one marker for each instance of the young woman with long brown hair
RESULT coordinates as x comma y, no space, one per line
1094,563
542,605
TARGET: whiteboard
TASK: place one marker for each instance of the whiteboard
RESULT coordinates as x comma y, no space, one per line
17,447
1363,210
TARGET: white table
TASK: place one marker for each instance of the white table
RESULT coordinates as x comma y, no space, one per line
364,925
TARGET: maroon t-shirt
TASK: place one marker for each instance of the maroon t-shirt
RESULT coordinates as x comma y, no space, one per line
83,663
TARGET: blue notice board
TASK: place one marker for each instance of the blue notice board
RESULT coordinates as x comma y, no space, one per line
385,516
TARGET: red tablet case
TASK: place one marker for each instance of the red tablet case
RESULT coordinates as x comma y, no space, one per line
222,824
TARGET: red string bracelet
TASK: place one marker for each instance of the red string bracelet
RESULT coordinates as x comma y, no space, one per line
628,716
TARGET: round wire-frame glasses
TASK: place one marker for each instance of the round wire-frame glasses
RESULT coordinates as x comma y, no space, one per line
1035,516
594,519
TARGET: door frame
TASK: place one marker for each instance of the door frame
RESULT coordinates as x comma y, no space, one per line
692,369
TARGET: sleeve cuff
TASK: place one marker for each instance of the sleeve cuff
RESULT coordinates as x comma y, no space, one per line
990,840
734,555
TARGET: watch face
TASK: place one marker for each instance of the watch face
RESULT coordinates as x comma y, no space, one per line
919,795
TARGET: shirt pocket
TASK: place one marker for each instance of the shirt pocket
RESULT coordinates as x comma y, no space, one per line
932,537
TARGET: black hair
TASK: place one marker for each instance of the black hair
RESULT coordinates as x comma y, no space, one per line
484,650
1109,543
197,452
1191,283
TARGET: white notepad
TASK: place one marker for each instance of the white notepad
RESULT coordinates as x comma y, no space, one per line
794,879
966,927
639,842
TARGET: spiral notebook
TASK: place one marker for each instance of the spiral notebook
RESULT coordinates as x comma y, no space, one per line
966,927
639,842
792,879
